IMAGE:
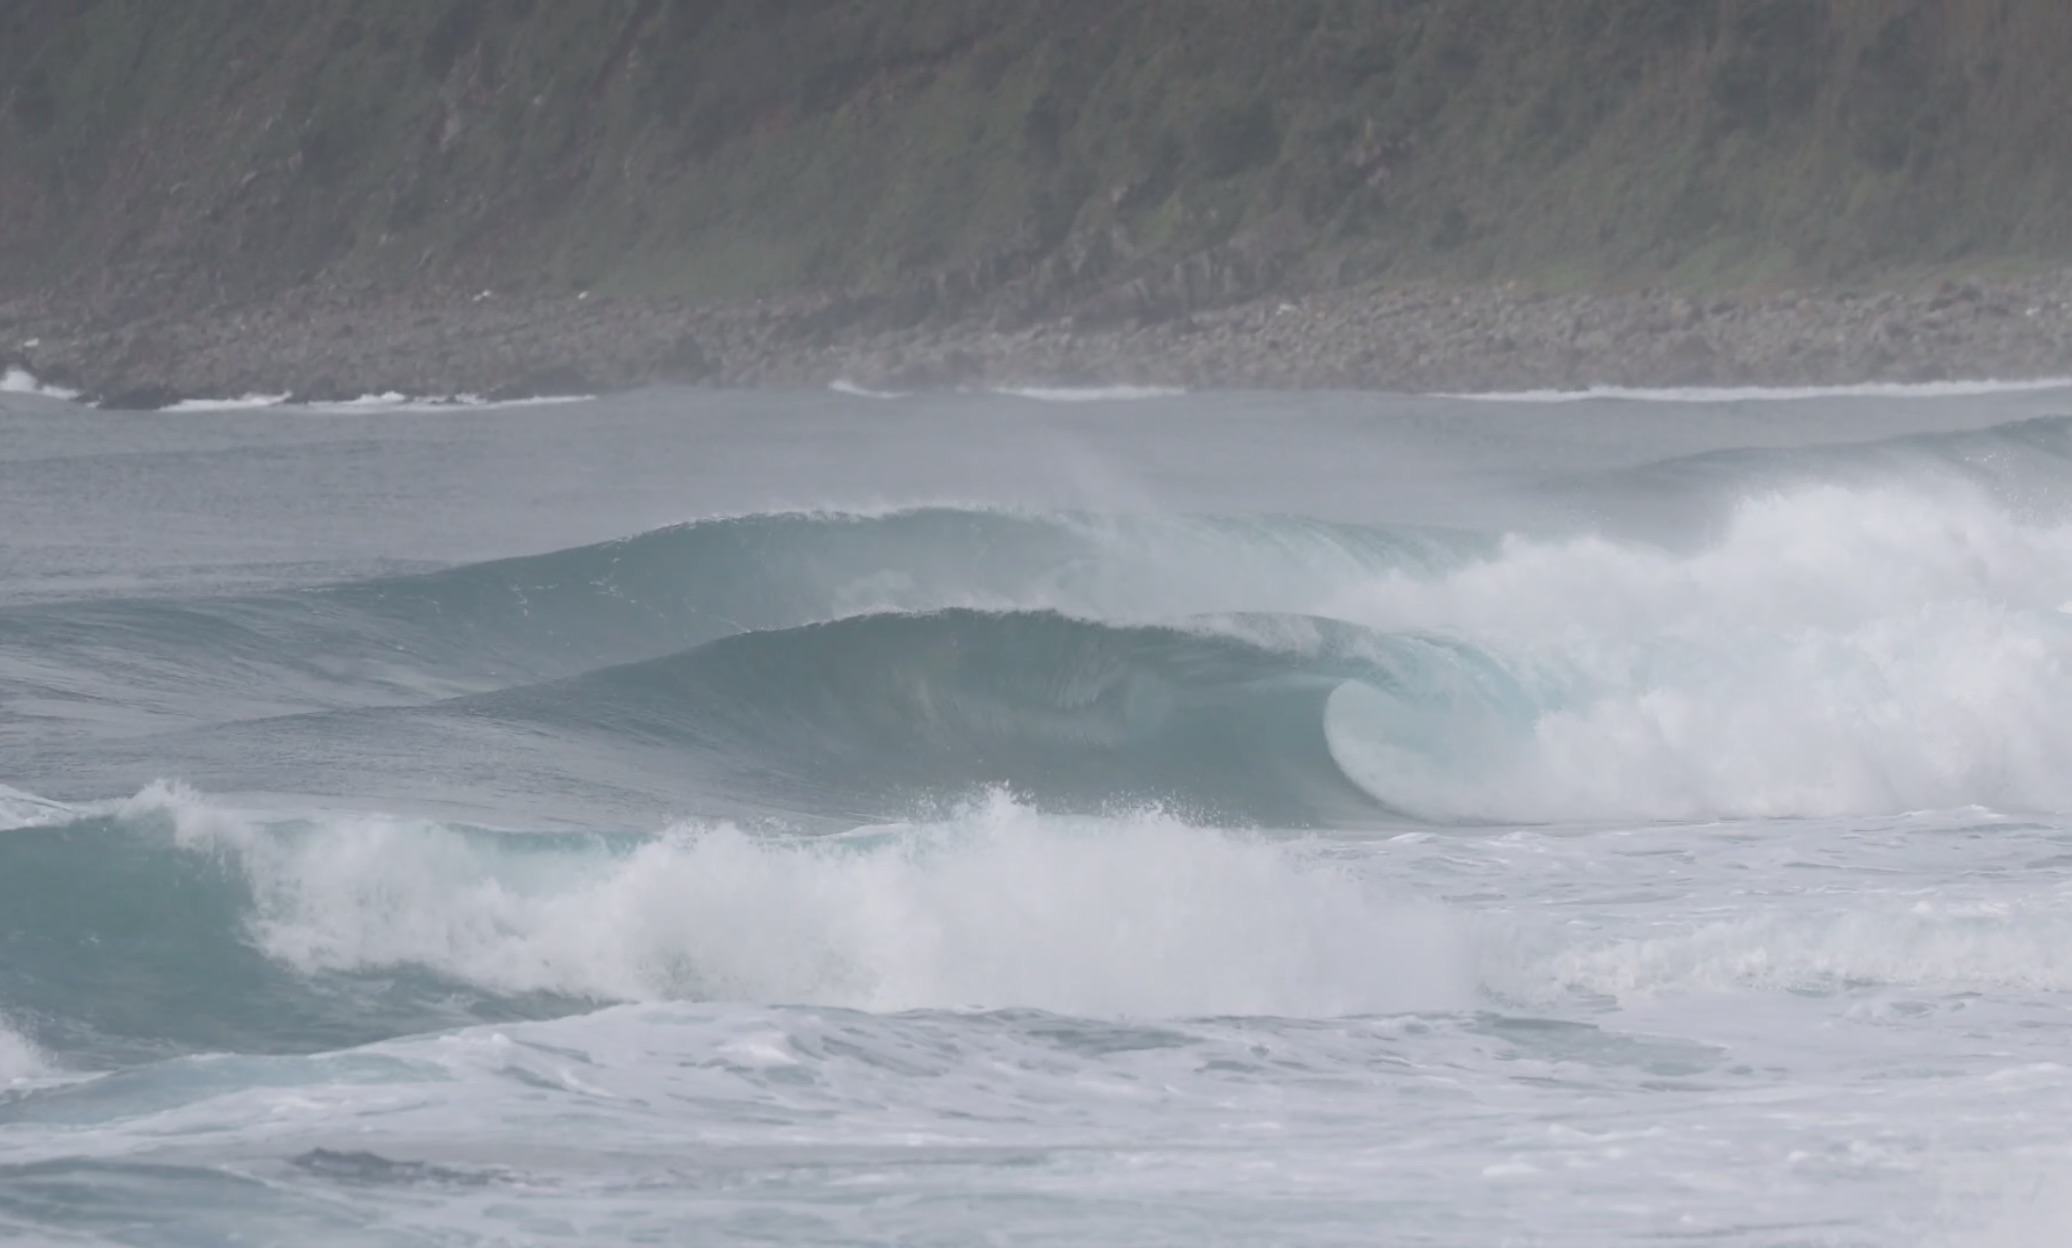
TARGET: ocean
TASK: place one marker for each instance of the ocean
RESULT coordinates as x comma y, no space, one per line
1055,817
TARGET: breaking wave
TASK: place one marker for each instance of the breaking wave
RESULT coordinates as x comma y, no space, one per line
309,933
1831,649
1834,650
21,381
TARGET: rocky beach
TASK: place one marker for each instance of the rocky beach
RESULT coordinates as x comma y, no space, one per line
496,197
1409,338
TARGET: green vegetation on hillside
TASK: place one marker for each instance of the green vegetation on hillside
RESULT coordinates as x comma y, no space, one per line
226,149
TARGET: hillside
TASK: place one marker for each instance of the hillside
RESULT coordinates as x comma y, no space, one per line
946,158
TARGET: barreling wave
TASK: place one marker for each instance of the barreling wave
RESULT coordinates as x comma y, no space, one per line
1225,719
169,923
1833,650
670,588
408,640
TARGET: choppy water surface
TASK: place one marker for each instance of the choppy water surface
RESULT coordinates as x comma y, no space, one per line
1158,819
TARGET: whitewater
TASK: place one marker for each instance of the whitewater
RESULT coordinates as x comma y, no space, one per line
1038,817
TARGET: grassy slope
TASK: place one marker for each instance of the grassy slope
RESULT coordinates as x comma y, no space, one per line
718,148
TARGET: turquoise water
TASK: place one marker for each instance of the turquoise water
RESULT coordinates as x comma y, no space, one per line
982,818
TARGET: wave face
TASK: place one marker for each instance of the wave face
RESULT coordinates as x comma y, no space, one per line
1225,720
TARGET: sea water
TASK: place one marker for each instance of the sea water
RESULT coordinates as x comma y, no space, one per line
1038,818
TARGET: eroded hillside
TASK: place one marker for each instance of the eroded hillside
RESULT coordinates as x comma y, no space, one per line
1117,159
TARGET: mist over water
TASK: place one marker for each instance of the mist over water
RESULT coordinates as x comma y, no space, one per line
1128,817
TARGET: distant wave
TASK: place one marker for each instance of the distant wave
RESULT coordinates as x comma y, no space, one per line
2026,459
1772,394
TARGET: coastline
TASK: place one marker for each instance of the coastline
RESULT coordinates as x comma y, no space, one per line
332,345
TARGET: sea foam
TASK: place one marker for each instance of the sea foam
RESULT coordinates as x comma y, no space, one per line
19,1060
995,906
1925,947
21,381
1834,650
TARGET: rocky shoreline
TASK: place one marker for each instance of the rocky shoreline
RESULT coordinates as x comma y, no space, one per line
334,344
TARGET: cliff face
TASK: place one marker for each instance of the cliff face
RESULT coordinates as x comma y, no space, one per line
1127,159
